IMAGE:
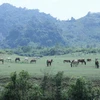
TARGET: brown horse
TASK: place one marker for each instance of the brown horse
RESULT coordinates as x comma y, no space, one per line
33,60
96,63
66,61
88,60
82,61
49,62
17,59
1,59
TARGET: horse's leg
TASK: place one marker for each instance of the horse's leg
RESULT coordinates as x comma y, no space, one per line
84,62
47,63
50,63
2,61
77,63
71,64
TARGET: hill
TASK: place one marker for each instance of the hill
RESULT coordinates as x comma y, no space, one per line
22,27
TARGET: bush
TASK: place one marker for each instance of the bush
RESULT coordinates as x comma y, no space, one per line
81,90
18,87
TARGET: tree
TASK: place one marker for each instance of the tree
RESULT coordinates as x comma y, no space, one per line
81,90
18,88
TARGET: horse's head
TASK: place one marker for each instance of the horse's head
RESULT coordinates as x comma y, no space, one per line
51,60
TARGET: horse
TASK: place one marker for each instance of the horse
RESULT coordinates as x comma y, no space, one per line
33,60
1,59
66,61
96,63
26,59
8,59
49,62
17,59
88,60
74,63
82,61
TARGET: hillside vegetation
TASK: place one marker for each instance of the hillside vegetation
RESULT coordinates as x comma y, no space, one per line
29,27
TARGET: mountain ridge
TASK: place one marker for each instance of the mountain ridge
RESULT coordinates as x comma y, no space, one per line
23,27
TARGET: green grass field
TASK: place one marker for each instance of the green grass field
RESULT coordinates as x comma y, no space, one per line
39,68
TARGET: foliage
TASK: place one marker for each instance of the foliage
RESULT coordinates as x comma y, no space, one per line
18,87
81,90
48,51
50,88
58,82
23,27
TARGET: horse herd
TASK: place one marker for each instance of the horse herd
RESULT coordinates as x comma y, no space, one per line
72,63
17,60
76,62
49,62
26,59
82,61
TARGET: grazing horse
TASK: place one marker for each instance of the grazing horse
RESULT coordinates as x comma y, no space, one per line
1,59
66,61
49,62
26,59
74,63
17,59
88,60
82,61
96,63
8,59
33,60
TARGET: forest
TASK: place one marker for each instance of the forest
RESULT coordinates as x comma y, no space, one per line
30,27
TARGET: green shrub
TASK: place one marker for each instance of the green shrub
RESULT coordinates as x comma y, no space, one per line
81,90
18,87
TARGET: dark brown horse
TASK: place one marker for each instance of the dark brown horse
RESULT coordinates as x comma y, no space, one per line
17,59
49,62
1,59
33,60
96,63
66,61
82,61
88,60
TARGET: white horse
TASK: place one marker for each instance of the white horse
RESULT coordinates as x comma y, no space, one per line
8,59
26,59
74,63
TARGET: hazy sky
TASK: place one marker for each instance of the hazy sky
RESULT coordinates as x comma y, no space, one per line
61,9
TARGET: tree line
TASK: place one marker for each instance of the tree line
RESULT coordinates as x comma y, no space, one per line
49,51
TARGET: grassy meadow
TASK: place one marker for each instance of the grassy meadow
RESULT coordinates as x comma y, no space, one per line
39,68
